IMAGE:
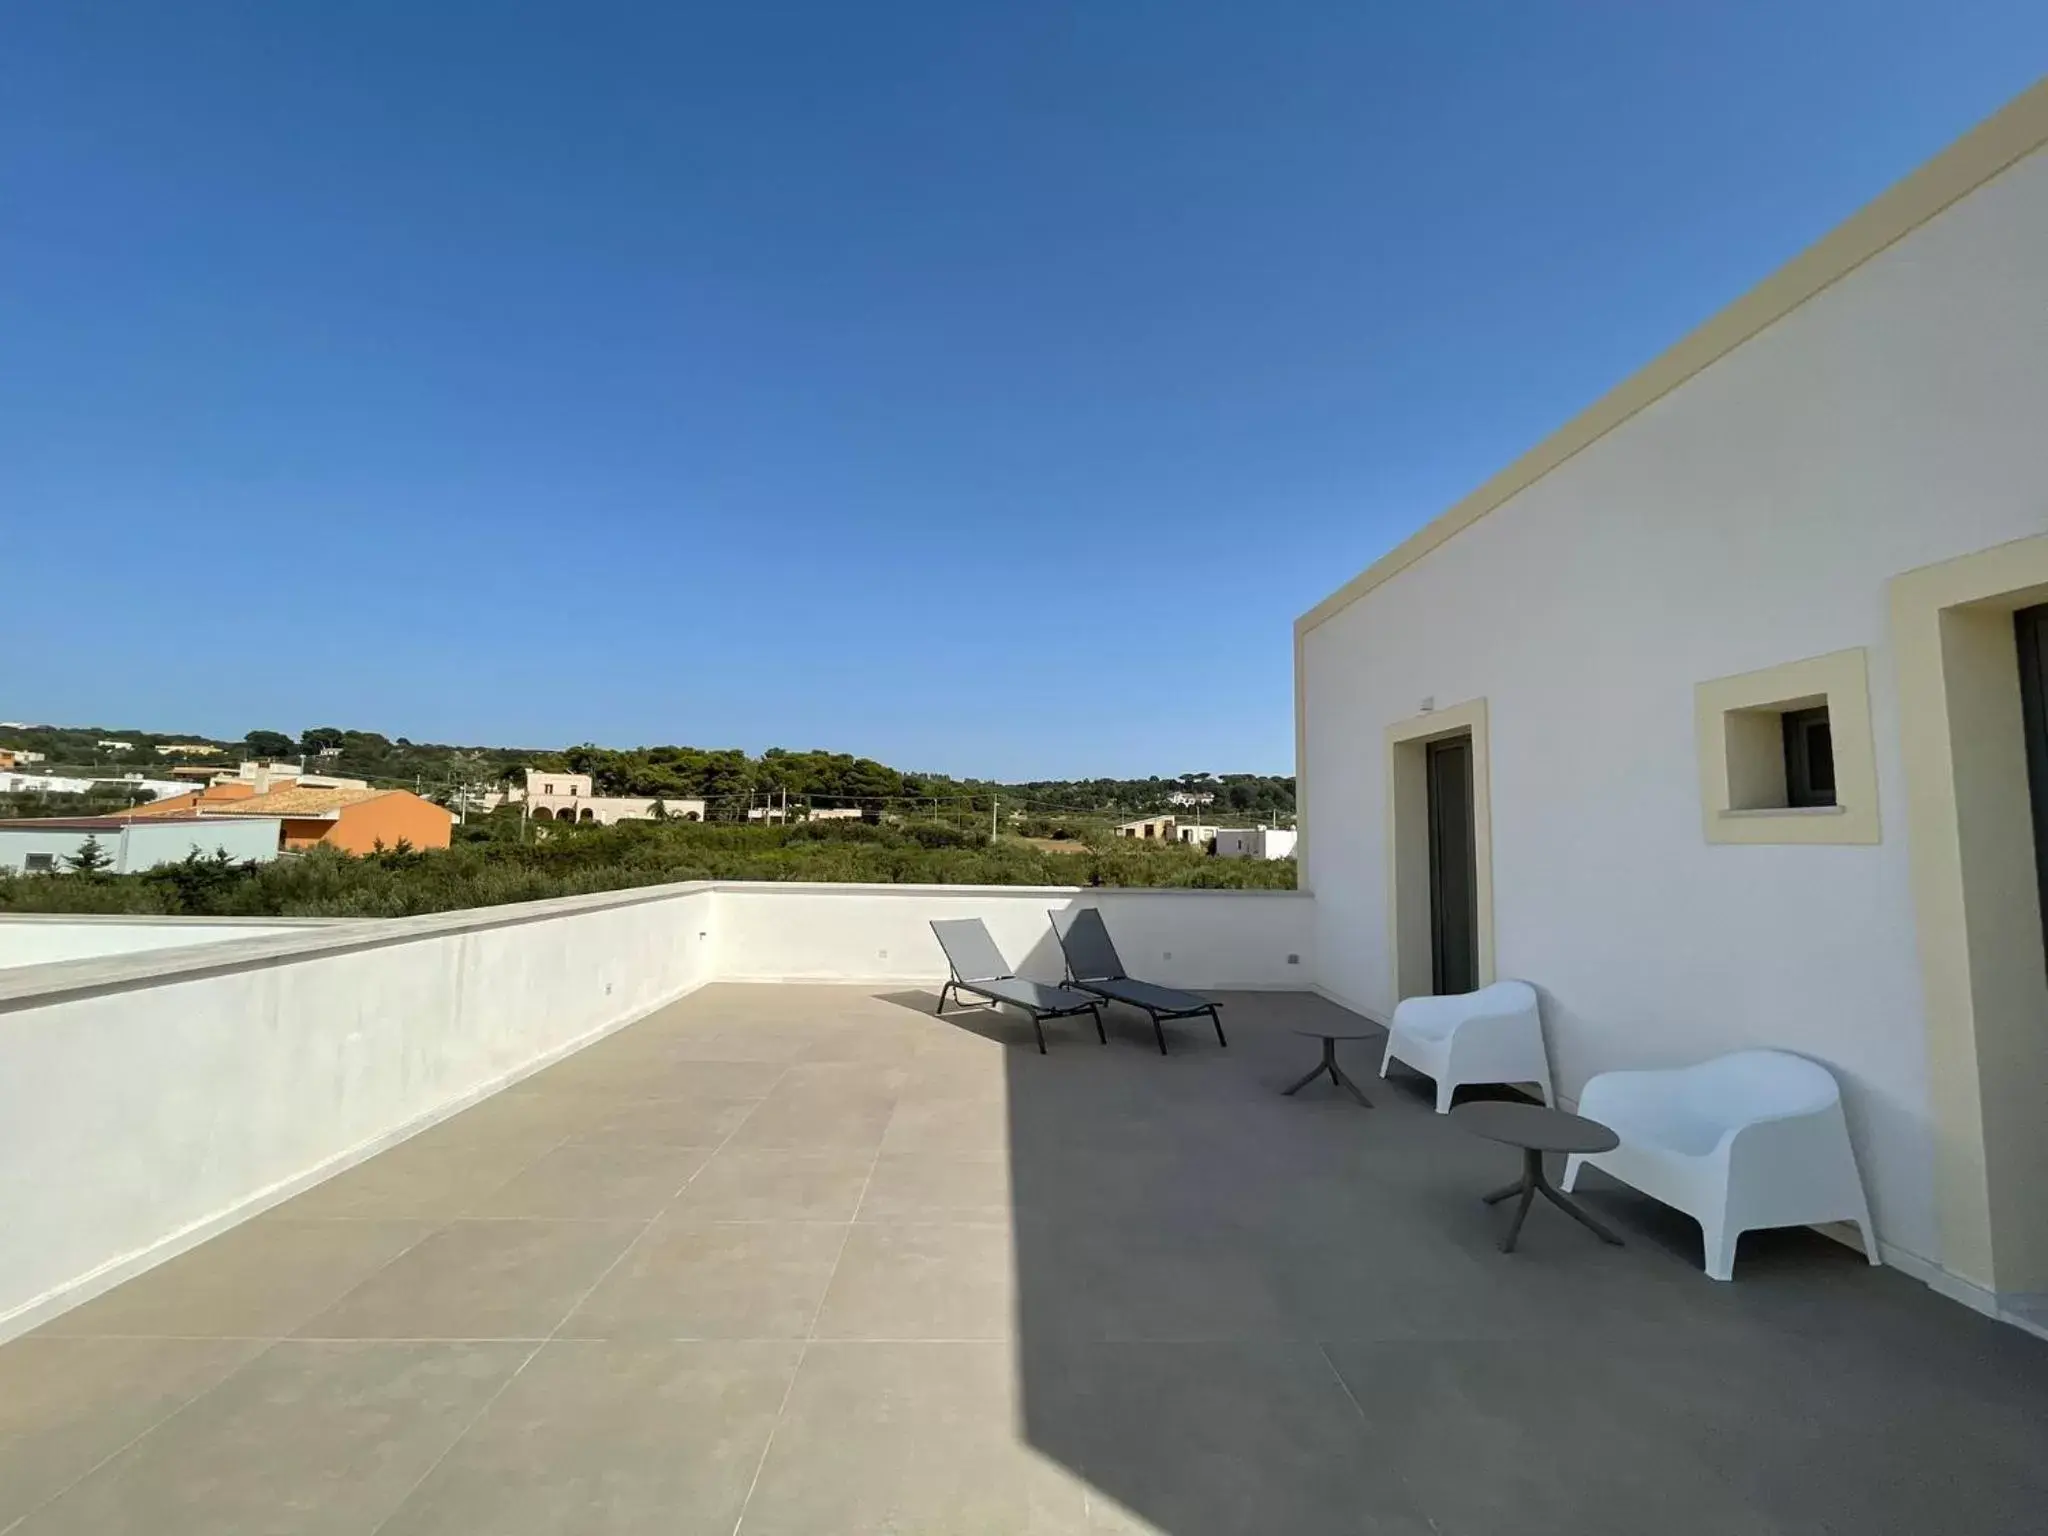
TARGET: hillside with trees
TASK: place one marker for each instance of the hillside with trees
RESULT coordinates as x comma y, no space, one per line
729,780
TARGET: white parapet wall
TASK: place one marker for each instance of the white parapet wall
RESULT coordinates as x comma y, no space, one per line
1207,940
34,938
151,1099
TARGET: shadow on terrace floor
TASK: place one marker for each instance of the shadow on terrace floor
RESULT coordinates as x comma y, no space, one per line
803,1260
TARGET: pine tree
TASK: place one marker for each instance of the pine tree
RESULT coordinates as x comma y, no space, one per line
91,859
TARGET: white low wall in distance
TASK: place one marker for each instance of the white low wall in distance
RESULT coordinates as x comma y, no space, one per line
1201,939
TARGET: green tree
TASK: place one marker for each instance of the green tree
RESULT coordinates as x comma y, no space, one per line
319,737
90,860
199,884
267,743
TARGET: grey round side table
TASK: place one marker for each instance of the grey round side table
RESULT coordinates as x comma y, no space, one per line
1537,1130
1328,1064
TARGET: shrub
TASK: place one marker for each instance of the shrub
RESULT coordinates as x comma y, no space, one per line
501,867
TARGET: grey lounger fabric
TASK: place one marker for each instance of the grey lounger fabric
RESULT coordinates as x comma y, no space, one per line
1093,965
979,969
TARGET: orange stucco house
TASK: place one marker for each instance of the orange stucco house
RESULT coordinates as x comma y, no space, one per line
353,820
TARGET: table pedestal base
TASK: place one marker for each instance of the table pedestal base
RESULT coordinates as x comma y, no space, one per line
1532,1183
1329,1064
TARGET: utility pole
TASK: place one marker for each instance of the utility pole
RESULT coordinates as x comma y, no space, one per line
994,803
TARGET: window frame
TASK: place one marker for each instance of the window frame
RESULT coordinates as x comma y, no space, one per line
1739,722
1803,789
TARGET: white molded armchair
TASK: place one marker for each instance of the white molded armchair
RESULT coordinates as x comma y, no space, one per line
1493,1035
1749,1140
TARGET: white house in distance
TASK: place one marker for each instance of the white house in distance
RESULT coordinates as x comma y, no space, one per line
1254,842
280,774
554,796
45,845
1719,715
62,784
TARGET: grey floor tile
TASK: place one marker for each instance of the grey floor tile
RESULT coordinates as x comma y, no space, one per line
1935,1426
777,1184
922,1281
1545,1436
934,1124
520,1114
308,1439
958,1186
652,1071
740,1043
1088,1186
1142,1281
1214,1440
696,1120
825,1104
480,1280
882,1041
937,1449
714,1280
68,1404
597,1180
953,1073
597,1438
434,1176
261,1279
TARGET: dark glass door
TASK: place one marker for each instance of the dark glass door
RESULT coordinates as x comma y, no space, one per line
2031,625
1453,868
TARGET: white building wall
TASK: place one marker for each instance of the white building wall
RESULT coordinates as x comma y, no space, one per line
1751,517
57,784
1254,842
143,844
146,844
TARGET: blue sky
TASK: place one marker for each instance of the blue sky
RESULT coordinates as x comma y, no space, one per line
979,387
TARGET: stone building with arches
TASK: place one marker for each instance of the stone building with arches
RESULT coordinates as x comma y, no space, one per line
554,796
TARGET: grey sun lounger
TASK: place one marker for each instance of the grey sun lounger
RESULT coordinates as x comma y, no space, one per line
980,970
1094,966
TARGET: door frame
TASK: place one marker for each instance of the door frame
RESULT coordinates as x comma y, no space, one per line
1434,753
1977,907
1411,969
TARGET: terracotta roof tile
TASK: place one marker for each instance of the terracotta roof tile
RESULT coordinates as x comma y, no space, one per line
279,802
297,802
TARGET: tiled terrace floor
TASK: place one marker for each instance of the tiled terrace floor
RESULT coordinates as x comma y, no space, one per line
806,1260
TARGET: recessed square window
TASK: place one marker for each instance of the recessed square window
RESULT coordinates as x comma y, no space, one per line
39,863
1786,754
